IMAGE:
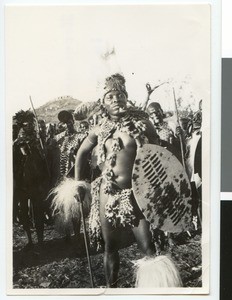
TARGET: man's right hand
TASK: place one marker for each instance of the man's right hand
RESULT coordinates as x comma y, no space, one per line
80,193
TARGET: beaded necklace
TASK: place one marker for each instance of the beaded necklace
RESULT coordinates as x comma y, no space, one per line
131,123
68,148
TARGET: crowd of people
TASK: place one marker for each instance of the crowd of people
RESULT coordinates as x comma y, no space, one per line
92,151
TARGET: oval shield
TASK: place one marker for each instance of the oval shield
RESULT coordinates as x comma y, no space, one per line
162,189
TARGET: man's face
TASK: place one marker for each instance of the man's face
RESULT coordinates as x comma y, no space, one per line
70,125
28,127
155,114
115,103
42,127
83,127
91,122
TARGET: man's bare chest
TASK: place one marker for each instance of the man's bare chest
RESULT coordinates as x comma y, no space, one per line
120,141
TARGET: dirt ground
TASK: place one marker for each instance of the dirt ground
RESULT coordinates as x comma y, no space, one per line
62,264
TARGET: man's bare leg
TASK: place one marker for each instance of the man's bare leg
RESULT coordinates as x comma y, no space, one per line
111,267
111,256
144,238
67,233
24,217
38,217
111,237
76,226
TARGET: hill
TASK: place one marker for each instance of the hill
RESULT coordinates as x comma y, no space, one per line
50,110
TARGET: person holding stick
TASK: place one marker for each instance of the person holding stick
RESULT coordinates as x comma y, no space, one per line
167,137
31,176
119,136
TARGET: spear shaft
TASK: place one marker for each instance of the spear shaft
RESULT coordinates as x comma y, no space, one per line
86,244
80,198
180,135
40,140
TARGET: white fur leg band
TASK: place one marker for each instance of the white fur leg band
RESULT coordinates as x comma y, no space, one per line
157,272
64,201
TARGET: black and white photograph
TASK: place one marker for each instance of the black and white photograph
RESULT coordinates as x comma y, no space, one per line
108,149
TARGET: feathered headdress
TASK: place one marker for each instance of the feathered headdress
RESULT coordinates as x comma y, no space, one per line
115,82
22,117
86,110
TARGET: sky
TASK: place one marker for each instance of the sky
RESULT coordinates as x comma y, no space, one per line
65,50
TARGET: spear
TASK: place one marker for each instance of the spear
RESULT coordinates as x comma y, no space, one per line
180,136
40,140
80,199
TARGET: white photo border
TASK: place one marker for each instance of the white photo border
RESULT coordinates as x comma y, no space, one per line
215,145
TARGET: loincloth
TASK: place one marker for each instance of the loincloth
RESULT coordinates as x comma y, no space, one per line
121,210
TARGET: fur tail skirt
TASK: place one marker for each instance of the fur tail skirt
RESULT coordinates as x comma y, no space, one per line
157,272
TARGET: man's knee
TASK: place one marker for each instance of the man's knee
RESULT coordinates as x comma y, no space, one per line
110,247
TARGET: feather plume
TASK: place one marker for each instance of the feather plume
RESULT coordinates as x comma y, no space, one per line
23,116
86,110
